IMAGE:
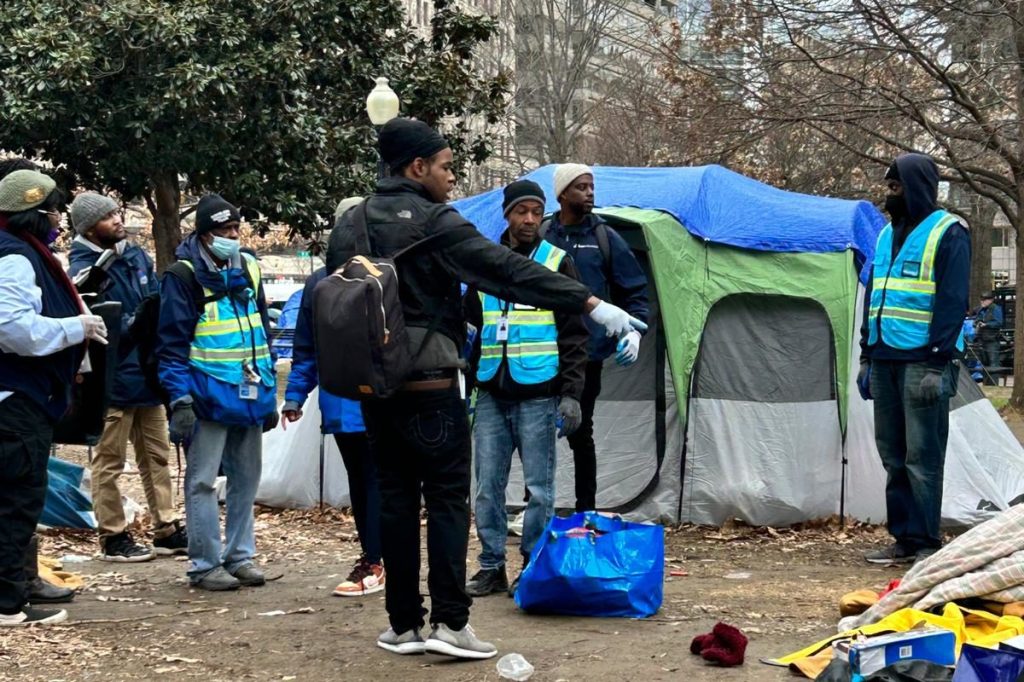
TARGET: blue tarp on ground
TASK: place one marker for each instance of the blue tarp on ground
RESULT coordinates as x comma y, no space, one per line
67,506
715,204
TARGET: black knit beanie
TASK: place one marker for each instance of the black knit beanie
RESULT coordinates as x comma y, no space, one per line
521,190
404,139
214,211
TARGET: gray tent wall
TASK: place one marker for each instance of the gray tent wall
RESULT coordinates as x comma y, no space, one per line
640,448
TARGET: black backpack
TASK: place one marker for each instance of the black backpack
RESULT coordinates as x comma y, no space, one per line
363,351
144,330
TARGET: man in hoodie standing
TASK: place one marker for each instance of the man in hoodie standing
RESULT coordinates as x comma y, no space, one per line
607,267
912,333
135,411
216,367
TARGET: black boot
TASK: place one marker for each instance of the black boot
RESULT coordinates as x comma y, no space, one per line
40,591
487,581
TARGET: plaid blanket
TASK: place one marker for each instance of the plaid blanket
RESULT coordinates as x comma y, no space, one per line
986,561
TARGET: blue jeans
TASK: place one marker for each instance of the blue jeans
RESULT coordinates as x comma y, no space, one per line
240,450
502,427
911,436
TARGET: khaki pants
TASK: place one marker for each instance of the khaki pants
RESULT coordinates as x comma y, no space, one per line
147,428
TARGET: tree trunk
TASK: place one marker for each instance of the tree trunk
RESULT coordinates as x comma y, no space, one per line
981,220
165,205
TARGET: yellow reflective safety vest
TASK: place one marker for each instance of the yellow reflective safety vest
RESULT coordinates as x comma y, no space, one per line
525,336
903,288
230,336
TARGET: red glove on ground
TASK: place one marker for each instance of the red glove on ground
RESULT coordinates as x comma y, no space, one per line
728,647
701,642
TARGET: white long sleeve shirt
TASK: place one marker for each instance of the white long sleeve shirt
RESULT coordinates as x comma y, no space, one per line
23,328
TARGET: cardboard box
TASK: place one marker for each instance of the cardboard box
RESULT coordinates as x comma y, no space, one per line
874,653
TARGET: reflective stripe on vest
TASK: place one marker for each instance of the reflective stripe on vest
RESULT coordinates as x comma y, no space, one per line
903,288
532,346
229,335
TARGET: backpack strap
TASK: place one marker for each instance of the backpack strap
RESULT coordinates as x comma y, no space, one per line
184,270
601,233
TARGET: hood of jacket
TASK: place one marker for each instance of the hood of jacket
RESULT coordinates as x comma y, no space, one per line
919,176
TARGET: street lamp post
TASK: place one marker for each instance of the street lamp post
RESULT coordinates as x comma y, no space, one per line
381,106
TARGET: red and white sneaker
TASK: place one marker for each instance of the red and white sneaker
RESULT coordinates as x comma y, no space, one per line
365,578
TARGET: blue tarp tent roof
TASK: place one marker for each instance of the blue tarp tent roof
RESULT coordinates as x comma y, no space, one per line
716,204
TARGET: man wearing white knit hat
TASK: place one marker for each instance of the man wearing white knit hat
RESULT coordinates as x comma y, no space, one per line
608,267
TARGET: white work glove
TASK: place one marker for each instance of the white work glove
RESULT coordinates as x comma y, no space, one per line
628,349
615,320
94,327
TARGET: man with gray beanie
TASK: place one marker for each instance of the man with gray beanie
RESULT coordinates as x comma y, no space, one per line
135,412
419,437
608,267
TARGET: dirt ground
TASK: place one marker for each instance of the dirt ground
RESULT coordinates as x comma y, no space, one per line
142,621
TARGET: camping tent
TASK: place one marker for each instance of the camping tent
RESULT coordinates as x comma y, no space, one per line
743,402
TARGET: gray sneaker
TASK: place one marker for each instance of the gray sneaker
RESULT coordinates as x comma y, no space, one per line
249,576
893,554
461,644
217,580
409,642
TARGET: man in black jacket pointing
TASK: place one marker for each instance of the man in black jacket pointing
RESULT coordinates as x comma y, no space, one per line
420,437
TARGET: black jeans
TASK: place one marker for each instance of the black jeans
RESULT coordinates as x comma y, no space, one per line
584,455
25,436
421,444
363,490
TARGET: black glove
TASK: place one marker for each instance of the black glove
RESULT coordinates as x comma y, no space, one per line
571,414
183,422
270,421
930,387
864,379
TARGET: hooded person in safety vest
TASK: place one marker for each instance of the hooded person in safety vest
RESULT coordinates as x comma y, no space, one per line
216,366
530,368
911,336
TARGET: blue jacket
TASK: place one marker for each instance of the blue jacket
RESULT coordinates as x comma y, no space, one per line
627,288
920,179
213,400
132,278
338,414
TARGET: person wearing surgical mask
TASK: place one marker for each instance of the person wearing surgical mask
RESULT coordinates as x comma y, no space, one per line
43,330
217,370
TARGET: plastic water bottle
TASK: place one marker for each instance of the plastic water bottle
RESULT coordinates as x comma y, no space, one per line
514,667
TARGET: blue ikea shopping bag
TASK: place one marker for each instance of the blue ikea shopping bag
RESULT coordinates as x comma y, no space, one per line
593,565
978,664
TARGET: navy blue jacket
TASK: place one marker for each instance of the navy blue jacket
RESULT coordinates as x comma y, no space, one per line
46,380
179,314
132,278
627,288
338,415
920,179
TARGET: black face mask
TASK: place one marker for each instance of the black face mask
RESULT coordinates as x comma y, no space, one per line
896,207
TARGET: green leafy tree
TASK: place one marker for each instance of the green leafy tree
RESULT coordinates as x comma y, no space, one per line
261,101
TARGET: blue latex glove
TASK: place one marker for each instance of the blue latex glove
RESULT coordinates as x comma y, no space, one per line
628,349
864,379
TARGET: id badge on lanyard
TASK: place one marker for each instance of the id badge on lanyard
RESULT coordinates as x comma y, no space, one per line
249,390
502,331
